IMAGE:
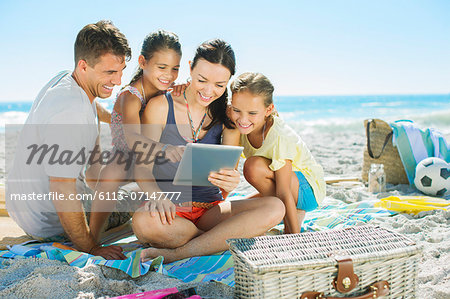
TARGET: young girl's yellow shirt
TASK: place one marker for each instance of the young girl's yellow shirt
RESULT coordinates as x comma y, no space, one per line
283,143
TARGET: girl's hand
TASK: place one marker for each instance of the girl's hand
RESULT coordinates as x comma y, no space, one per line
227,179
174,153
177,90
165,208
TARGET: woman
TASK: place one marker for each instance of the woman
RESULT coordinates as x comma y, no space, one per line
198,115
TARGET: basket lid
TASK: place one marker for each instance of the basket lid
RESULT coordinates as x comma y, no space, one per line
312,249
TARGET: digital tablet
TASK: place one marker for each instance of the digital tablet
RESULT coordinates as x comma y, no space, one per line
200,159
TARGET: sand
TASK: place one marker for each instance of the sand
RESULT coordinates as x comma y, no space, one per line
339,152
8,228
53,279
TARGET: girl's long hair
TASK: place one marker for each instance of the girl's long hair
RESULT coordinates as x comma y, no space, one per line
157,41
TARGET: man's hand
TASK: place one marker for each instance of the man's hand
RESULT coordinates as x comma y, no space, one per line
111,252
73,220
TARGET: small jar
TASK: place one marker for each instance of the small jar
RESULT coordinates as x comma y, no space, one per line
377,178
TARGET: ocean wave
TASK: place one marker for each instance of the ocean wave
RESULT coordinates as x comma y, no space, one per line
382,104
439,120
12,117
329,125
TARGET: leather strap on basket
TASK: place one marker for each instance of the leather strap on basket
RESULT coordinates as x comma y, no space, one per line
378,289
346,280
369,147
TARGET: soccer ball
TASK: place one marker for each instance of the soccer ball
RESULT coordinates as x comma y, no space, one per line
433,177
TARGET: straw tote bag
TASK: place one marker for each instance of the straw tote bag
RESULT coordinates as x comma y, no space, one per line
380,150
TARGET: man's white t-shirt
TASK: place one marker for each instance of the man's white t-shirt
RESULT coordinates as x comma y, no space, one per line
61,125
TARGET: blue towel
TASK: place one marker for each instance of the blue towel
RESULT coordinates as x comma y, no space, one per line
414,145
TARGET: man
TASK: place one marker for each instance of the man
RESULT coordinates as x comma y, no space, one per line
59,132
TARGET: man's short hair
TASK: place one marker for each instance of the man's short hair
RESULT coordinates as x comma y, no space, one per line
95,40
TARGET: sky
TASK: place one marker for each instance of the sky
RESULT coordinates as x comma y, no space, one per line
339,47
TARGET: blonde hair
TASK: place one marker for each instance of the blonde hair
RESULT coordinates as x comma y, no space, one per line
255,83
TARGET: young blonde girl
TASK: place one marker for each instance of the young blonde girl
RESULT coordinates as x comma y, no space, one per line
159,63
278,161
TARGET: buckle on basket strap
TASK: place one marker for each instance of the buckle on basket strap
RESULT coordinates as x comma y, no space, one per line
378,289
346,280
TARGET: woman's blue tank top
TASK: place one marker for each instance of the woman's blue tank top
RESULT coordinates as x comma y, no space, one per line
164,173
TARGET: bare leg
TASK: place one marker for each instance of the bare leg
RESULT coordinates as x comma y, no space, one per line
237,219
93,172
301,216
150,230
111,178
260,176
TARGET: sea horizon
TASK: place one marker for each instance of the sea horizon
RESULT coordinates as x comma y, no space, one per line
320,111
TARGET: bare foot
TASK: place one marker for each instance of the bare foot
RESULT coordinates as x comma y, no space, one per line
151,253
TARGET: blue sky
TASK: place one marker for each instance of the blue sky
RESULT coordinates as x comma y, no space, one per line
304,47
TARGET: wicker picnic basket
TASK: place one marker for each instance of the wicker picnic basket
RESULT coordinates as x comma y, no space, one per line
366,261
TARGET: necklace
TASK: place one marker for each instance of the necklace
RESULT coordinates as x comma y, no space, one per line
142,85
194,133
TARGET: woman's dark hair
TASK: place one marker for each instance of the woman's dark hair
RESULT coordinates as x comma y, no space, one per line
157,41
219,52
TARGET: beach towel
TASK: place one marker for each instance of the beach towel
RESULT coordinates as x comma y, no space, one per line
414,145
334,213
205,268
220,267
13,241
217,267
413,204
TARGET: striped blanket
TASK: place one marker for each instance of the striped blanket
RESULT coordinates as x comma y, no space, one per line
415,144
332,214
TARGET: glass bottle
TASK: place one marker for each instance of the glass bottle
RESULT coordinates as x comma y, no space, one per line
377,178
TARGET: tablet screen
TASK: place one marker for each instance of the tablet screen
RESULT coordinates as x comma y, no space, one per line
200,159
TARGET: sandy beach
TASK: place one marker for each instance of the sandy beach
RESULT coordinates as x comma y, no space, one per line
340,152
332,65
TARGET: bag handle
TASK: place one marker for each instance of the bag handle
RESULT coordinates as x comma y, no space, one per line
378,289
369,148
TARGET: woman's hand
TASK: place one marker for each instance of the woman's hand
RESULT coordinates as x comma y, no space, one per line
164,207
227,179
174,153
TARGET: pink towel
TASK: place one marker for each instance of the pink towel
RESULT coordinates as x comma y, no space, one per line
155,294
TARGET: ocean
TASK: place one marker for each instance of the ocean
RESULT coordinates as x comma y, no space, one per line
322,112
